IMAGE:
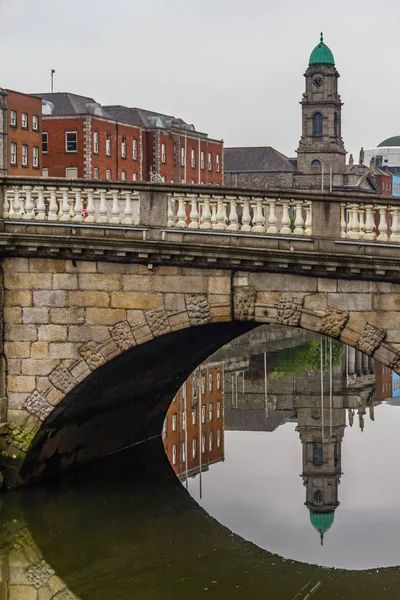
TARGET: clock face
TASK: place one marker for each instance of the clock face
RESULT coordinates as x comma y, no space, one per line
318,81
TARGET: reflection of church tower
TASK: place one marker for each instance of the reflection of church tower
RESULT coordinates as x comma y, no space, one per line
321,141
321,433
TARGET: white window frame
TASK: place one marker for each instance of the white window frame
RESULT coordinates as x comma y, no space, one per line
35,122
218,410
210,412
24,120
210,382
219,438
210,441
108,174
96,173
218,380
203,384
218,163
193,417
203,443
13,118
183,157
24,159
210,161
108,144
203,413
134,177
164,154
174,420
134,149
123,147
174,454
45,172
46,136
183,420
67,133
95,142
202,160
193,158
68,175
13,153
194,447
35,156
183,452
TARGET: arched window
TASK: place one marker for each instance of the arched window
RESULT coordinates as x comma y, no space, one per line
336,125
317,124
316,163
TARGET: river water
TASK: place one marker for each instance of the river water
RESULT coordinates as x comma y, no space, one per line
276,477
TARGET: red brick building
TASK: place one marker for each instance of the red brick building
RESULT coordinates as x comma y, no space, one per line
20,134
83,139
383,180
195,437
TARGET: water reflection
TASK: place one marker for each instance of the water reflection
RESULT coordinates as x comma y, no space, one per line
316,389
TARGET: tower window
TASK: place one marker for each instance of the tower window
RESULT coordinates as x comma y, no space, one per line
317,124
317,454
336,125
316,163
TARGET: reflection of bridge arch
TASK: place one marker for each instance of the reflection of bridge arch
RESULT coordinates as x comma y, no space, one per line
97,350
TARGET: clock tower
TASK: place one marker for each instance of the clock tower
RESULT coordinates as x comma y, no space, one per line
321,143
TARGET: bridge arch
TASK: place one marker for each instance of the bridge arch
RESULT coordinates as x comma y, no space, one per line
94,351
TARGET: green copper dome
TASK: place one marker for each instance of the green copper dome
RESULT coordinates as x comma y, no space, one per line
321,55
322,522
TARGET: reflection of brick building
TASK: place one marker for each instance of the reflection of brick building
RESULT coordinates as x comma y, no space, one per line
197,410
383,377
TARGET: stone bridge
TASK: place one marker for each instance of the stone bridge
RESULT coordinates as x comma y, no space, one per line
113,293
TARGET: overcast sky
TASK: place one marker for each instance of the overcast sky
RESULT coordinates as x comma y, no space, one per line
234,68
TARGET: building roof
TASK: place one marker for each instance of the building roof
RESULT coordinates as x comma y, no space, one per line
262,159
392,141
147,118
66,104
321,55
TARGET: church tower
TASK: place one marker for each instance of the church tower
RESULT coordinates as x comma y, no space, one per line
321,141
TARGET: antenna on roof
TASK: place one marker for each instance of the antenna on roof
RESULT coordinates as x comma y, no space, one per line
52,79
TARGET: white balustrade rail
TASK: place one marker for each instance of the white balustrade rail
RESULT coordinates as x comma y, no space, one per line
240,213
370,222
77,205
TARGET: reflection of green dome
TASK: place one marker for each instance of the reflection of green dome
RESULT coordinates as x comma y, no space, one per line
322,522
321,55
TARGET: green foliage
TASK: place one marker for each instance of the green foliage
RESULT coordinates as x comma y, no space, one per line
307,357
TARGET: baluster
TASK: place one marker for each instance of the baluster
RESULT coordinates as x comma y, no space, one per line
354,224
225,209
369,222
219,225
343,224
181,214
382,227
78,206
90,207
16,205
102,216
29,206
308,221
206,214
52,214
361,213
246,218
285,222
6,203
40,206
136,208
22,200
194,216
63,212
395,237
115,210
213,215
272,220
128,209
258,220
170,212
298,221
233,216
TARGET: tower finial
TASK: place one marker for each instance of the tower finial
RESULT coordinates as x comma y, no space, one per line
322,37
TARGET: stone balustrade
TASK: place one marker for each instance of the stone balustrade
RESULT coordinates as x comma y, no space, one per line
370,222
236,213
72,204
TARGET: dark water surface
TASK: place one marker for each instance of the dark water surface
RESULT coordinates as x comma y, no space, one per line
126,528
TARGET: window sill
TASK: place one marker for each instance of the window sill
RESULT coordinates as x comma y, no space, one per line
71,152
24,128
13,126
